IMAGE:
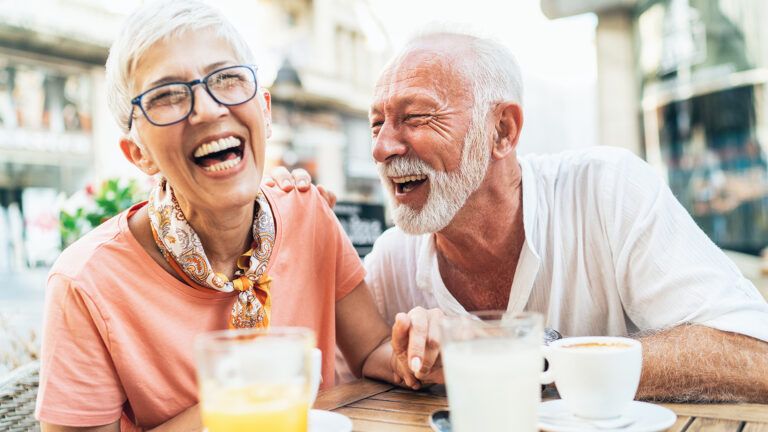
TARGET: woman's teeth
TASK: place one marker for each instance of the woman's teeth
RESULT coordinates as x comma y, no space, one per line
221,166
216,146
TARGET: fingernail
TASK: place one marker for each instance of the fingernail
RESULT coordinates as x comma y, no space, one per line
285,183
415,364
301,183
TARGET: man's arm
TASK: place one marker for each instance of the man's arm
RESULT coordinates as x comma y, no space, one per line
364,339
693,363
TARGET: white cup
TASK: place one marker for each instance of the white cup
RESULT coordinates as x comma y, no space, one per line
315,374
597,377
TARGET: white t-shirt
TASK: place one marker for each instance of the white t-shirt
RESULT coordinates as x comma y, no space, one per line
608,251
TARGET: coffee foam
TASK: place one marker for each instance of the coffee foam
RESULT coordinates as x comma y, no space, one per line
595,345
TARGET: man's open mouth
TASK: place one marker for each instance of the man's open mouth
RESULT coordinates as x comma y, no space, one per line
220,154
406,184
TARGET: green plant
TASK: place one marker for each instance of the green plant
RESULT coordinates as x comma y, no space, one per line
90,207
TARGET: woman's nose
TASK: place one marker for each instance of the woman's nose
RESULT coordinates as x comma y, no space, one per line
205,107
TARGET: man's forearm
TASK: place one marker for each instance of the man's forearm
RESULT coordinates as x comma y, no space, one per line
692,363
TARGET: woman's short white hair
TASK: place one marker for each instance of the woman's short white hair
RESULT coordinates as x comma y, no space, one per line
154,22
493,70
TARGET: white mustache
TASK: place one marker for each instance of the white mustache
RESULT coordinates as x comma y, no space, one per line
401,167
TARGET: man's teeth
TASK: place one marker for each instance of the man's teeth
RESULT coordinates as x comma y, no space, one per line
400,180
221,166
217,146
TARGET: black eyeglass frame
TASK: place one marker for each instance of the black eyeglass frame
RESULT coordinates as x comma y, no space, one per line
136,102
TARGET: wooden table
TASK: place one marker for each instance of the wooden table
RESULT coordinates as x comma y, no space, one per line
375,407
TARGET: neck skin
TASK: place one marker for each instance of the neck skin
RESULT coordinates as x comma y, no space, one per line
224,233
487,233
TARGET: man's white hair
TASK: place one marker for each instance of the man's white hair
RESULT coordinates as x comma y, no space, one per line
492,70
154,22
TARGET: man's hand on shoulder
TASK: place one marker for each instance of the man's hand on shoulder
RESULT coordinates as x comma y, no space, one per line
298,179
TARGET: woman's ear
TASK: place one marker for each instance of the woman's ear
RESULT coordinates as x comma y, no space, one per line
508,122
138,156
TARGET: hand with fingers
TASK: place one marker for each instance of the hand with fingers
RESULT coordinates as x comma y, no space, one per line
416,348
299,179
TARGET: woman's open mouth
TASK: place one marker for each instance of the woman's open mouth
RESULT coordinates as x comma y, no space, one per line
219,155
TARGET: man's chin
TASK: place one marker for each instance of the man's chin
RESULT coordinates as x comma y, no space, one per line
416,222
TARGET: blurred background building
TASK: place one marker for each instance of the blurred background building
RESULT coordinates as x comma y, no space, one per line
683,83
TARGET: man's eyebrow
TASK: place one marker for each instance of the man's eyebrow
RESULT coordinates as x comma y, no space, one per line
413,98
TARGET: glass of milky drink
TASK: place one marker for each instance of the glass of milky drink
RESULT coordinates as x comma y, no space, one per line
597,377
492,364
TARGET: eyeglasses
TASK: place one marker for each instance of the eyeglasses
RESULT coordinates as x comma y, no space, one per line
172,103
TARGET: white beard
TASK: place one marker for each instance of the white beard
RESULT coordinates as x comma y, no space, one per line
448,191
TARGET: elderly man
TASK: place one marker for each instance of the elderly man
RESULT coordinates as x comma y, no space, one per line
592,239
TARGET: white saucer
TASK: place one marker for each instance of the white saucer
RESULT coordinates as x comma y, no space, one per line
326,421
648,418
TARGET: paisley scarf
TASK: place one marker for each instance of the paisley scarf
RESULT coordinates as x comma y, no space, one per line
182,249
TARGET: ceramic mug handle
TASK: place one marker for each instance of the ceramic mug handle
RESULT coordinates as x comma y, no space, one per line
547,376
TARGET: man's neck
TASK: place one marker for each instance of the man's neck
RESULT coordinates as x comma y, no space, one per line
488,230
477,253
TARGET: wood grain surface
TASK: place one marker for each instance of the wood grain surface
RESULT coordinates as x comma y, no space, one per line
378,407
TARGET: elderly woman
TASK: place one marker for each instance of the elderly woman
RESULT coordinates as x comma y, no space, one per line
207,251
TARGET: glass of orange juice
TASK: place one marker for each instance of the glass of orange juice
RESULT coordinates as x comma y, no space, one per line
255,380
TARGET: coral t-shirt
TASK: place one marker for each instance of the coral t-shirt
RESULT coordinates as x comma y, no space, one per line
118,331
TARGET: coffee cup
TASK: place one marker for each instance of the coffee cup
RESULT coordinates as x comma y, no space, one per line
597,377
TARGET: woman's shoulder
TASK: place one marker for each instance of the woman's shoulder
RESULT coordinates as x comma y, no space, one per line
294,206
97,250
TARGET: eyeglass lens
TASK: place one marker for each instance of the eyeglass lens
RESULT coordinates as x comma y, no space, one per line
173,102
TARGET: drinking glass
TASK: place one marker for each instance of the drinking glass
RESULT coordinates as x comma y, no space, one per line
492,363
255,379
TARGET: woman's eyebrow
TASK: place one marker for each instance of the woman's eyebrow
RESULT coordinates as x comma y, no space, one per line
176,78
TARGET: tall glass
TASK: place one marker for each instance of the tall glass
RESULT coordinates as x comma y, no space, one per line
492,363
255,379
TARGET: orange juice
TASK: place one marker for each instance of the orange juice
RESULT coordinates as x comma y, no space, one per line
256,408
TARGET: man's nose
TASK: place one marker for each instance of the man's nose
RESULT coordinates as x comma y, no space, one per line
205,106
388,143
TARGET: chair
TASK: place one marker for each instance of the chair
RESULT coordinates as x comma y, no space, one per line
17,399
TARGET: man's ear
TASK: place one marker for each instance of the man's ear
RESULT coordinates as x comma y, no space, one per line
508,118
267,107
137,156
